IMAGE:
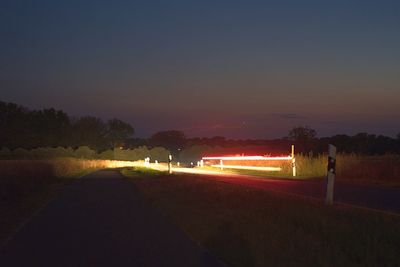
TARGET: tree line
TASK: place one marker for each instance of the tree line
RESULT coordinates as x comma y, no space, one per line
84,152
24,128
303,137
29,129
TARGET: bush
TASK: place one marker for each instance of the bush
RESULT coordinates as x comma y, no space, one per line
84,152
195,153
107,154
160,154
141,152
5,153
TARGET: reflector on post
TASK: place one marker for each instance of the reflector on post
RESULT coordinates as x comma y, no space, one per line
330,177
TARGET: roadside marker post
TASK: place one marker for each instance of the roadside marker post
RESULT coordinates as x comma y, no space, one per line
170,164
330,177
147,162
293,162
221,163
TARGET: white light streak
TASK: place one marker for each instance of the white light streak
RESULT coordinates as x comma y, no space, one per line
255,168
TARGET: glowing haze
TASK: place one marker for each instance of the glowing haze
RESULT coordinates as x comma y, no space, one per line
242,69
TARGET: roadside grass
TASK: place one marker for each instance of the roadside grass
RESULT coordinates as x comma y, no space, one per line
261,174
140,172
249,227
27,185
13,214
384,170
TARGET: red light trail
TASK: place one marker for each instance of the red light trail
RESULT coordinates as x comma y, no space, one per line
247,158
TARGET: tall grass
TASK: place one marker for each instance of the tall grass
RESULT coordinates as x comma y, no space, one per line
353,167
379,169
70,167
384,169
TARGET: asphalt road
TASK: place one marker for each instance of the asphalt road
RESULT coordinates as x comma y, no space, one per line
101,220
374,197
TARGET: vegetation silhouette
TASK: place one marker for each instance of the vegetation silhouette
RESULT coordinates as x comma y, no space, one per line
30,129
23,128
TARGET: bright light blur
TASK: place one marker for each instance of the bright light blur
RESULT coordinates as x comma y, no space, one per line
255,168
247,158
164,167
222,165
123,163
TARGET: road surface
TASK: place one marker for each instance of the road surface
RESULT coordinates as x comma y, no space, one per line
374,197
382,198
101,220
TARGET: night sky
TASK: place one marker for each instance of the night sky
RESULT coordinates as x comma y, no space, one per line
241,69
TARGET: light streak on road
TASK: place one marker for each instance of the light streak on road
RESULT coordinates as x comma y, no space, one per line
247,158
164,167
255,168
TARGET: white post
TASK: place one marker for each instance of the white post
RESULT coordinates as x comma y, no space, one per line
198,163
330,177
178,164
293,162
202,163
221,164
170,164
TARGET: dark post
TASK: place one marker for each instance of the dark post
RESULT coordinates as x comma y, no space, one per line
330,177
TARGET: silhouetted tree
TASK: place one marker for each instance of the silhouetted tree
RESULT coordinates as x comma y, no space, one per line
118,132
172,140
49,127
303,137
24,128
90,131
218,141
14,124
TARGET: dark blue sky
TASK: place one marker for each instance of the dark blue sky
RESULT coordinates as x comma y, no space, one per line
243,69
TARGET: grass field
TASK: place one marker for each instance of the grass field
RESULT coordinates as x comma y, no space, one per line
248,227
